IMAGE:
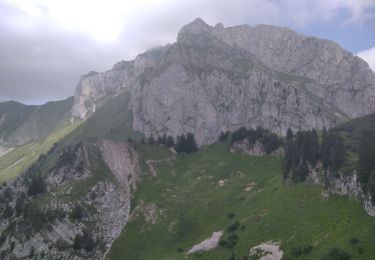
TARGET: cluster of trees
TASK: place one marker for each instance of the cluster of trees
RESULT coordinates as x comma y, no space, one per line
84,241
269,140
37,185
304,149
184,143
164,140
366,163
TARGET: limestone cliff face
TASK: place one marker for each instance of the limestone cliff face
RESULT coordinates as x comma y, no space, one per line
215,79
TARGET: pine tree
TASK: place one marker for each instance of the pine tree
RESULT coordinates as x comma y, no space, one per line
289,134
170,142
337,152
180,143
191,144
164,140
151,140
159,140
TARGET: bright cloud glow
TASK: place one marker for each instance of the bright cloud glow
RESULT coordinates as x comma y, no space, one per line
104,20
369,57
52,42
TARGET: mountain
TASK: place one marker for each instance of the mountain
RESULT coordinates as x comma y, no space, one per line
83,183
216,79
28,131
20,124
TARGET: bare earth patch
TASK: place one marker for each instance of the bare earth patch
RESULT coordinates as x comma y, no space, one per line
208,243
221,183
267,251
249,186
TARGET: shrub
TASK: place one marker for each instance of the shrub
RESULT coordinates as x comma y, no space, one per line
231,215
336,253
37,185
84,241
8,212
76,213
353,241
301,250
233,226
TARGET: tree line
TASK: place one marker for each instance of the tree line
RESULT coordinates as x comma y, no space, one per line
305,149
269,140
366,163
184,143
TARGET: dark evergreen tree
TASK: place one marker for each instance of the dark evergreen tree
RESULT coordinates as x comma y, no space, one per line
223,136
159,140
164,140
37,185
289,134
366,163
151,140
186,144
170,142
337,151
191,144
270,142
180,143
239,134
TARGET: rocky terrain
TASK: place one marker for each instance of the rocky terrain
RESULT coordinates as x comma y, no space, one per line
215,79
83,207
343,185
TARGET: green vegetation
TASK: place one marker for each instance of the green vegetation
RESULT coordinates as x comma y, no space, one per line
35,122
245,197
18,160
186,144
14,114
111,121
304,149
269,140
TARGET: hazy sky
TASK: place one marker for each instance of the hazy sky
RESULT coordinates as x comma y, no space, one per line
45,45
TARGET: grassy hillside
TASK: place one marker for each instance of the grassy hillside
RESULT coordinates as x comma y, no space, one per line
22,157
191,205
111,121
12,115
21,124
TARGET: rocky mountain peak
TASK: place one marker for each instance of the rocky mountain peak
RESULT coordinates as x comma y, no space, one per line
216,79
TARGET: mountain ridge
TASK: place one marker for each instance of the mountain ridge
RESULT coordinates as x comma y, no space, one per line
240,65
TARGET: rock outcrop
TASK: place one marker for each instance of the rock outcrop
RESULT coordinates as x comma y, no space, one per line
341,184
85,207
215,79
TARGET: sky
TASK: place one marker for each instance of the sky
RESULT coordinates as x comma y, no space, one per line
45,45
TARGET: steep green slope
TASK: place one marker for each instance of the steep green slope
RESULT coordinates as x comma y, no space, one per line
111,121
212,189
21,124
18,160
12,116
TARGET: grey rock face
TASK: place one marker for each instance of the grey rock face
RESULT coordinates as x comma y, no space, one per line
347,185
216,79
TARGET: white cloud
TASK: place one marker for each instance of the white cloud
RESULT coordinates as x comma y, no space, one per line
51,42
105,20
369,57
